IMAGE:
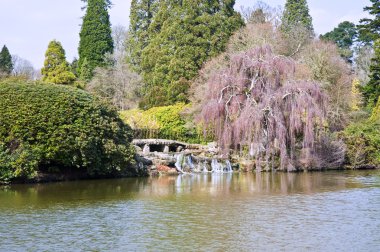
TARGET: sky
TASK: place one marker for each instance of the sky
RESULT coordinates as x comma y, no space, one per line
27,27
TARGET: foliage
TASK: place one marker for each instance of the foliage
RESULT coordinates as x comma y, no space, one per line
182,36
254,102
6,65
315,60
56,69
321,62
344,36
371,91
166,121
44,125
356,95
140,18
369,29
363,142
117,84
95,36
296,14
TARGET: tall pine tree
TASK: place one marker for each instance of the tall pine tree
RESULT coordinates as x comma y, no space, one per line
369,29
56,69
371,91
296,14
141,16
182,36
6,65
95,34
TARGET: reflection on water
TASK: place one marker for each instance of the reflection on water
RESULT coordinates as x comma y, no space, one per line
238,212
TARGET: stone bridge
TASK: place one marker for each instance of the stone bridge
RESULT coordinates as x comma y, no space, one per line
162,145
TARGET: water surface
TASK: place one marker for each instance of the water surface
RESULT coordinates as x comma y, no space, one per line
327,211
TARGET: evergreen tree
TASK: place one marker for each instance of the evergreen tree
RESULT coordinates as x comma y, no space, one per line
56,69
371,91
369,29
296,14
85,71
344,36
74,67
95,34
183,35
6,65
141,16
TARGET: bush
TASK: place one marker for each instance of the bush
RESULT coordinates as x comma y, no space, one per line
43,126
162,122
363,142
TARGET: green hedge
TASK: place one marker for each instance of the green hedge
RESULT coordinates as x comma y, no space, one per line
363,141
45,125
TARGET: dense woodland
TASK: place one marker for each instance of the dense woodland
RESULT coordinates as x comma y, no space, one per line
258,81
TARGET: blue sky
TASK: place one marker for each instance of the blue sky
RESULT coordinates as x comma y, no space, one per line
27,26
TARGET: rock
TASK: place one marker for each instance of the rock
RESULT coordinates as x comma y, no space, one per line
163,168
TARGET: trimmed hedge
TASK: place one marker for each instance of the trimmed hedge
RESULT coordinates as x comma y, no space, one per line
45,125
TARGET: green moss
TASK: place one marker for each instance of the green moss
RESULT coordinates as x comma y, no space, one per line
44,125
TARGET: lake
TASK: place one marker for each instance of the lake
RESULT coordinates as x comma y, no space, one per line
319,211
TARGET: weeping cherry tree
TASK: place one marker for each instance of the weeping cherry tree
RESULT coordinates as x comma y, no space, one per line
254,105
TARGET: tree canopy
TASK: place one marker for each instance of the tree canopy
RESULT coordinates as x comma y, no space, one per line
296,14
56,69
182,36
6,65
95,35
371,91
369,29
344,36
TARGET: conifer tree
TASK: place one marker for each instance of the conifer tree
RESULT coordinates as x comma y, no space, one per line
95,34
56,69
371,91
296,14
369,29
6,65
140,18
183,35
85,71
344,35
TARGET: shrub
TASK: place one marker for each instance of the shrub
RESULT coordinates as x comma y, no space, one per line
43,125
363,142
162,122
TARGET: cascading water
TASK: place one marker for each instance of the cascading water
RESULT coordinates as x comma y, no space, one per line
228,166
205,169
216,167
184,162
190,163
179,162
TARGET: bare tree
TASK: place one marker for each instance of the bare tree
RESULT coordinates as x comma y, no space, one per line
118,84
22,67
261,12
362,63
119,36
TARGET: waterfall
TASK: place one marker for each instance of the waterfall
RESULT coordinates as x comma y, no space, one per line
216,167
205,166
178,163
228,166
190,162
